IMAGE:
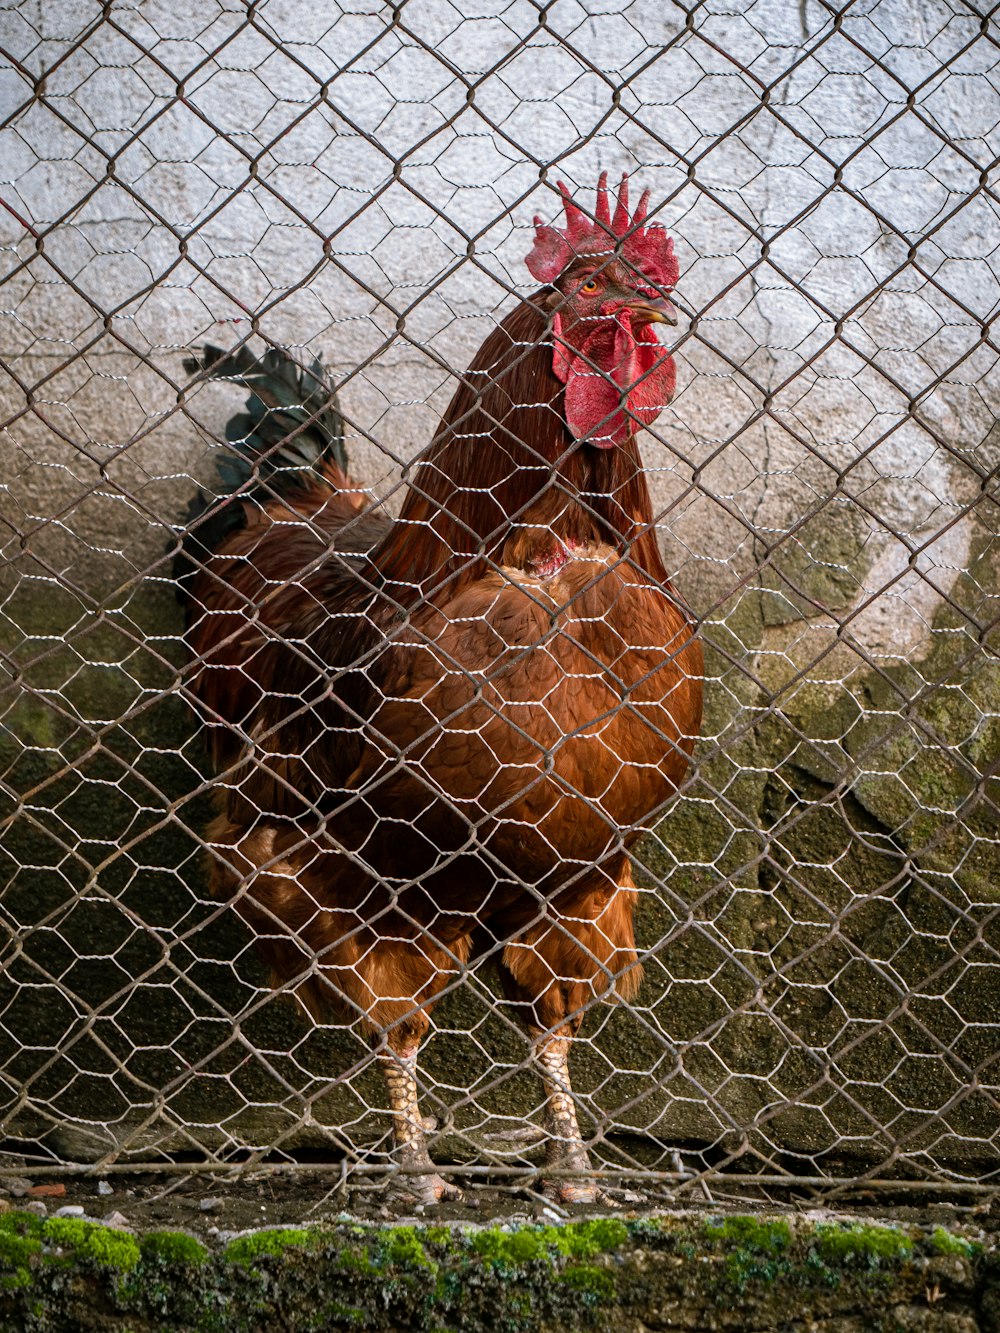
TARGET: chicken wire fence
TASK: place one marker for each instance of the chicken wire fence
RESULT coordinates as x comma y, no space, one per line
817,916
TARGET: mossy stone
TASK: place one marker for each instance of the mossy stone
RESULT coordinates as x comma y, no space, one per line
817,567
727,1273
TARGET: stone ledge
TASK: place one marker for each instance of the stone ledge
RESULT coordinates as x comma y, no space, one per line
745,1273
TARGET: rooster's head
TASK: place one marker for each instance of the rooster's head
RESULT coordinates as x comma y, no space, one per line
612,276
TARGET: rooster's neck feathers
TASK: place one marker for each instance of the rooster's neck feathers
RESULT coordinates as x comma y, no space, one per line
503,465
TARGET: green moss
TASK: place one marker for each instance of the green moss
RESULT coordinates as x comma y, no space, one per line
16,1277
404,1249
756,1248
769,1235
20,1224
19,1239
173,1247
945,1242
335,1312
512,1247
582,1240
102,1245
574,1240
518,1280
819,565
860,1245
357,1260
15,1257
263,1244
590,1281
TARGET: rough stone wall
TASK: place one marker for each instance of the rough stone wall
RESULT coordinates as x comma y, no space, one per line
820,908
748,1274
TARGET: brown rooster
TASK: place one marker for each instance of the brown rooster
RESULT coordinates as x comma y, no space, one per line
442,735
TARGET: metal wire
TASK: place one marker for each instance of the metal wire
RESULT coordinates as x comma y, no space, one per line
818,908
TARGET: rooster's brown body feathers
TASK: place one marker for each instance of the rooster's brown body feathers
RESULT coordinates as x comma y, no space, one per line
444,733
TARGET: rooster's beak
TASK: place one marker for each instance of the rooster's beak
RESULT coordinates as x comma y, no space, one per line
658,311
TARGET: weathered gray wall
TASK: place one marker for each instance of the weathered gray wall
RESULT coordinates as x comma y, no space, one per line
820,908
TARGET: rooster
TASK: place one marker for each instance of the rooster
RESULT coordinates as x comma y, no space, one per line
439,737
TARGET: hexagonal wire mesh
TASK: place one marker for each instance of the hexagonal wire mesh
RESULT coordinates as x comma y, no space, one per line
817,908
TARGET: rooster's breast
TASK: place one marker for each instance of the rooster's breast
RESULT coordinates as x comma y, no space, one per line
545,715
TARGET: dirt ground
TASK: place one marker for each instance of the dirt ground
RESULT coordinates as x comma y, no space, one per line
215,1206
219,1205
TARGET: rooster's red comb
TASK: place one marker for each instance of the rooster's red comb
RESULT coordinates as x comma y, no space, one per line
649,250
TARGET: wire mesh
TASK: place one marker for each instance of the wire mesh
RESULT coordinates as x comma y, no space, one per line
817,908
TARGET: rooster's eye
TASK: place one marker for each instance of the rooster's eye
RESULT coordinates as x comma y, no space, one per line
589,287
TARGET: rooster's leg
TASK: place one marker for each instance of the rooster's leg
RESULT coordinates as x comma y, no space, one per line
417,1182
564,1151
552,971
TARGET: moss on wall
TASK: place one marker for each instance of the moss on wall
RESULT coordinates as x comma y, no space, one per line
837,862
722,1273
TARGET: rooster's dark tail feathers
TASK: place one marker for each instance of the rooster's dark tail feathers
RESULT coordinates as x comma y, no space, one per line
289,438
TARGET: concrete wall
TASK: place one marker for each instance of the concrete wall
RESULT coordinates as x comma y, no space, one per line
820,908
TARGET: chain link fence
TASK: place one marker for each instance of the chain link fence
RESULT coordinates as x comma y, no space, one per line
818,908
